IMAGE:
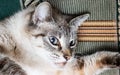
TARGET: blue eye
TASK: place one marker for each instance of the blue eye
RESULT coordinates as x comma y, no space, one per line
53,40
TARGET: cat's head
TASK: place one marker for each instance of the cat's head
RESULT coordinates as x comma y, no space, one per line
53,38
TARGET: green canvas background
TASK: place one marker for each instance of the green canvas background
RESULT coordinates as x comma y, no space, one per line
98,9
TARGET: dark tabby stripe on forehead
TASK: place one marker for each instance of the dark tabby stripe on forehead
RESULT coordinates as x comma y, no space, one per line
64,30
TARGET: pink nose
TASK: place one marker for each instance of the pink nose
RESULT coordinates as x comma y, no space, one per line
67,54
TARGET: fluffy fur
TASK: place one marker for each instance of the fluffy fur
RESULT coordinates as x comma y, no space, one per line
42,42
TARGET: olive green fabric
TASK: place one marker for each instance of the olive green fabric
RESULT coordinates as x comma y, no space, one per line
8,7
99,9
91,47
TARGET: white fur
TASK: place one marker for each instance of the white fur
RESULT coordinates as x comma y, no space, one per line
36,60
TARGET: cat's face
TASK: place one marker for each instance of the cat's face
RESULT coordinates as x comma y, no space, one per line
53,40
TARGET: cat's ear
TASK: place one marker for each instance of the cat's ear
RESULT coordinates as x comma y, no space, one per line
43,12
76,22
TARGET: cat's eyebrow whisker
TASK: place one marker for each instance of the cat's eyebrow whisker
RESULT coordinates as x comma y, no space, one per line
39,35
39,46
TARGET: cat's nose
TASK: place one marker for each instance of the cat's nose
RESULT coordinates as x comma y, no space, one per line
67,57
67,54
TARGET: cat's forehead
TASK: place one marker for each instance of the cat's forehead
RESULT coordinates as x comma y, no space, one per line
64,29
60,31
54,28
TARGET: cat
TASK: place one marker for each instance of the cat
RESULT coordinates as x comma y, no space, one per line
39,41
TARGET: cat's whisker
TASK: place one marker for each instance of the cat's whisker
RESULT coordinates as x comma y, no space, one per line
62,64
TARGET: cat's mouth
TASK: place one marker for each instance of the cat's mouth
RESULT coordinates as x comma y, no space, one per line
60,64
